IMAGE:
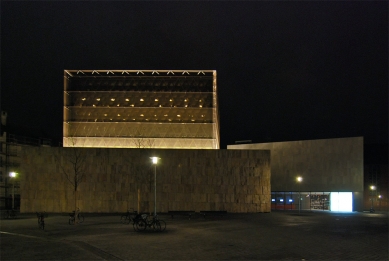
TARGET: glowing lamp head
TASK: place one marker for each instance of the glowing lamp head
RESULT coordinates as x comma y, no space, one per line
154,160
12,174
372,187
379,196
299,179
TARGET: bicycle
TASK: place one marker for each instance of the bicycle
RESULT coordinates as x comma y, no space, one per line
11,213
41,220
126,218
73,216
144,221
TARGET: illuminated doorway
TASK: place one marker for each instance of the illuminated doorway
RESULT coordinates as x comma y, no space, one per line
325,201
341,201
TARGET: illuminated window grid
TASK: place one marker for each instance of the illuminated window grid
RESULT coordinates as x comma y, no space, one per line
141,110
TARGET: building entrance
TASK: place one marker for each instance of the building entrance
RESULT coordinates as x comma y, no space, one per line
326,201
282,200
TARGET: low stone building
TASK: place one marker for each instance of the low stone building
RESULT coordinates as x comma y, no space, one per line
115,180
331,172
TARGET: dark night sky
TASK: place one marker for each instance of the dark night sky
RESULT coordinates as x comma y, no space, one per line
286,70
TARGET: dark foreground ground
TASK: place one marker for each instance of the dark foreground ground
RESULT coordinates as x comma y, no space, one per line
259,236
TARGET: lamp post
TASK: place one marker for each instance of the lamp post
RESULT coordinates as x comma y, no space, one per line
299,180
13,175
155,161
372,188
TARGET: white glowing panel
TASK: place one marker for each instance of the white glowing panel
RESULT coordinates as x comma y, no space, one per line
341,201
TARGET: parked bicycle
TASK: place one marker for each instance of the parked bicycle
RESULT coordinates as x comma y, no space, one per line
126,218
146,221
41,219
75,216
11,213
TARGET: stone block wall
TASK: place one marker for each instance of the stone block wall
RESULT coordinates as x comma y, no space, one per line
325,165
115,180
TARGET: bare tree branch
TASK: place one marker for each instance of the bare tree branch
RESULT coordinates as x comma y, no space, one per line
73,165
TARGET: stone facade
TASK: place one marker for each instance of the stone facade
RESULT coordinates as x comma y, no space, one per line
328,165
115,180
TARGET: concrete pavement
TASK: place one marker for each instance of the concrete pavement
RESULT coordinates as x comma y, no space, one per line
256,236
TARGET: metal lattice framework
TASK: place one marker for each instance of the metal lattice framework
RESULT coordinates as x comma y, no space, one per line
141,109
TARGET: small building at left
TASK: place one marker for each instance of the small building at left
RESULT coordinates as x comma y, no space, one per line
11,144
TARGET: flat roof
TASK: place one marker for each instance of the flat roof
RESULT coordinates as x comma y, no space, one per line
96,73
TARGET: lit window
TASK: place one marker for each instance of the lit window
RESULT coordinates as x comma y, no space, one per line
160,105
141,99
118,105
132,105
83,99
98,99
105,114
133,119
178,115
119,115
200,100
141,115
170,119
112,99
127,99
201,106
202,115
171,100
165,115
156,100
94,105
193,120
186,100
155,115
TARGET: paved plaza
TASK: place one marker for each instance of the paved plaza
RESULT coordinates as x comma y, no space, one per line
257,236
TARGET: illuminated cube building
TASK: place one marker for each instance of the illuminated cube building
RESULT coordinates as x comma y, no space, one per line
141,109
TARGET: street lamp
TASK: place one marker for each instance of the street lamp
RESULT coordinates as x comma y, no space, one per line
379,202
13,175
372,188
299,180
155,162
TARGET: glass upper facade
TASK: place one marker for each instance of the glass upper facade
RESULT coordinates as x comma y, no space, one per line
141,109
